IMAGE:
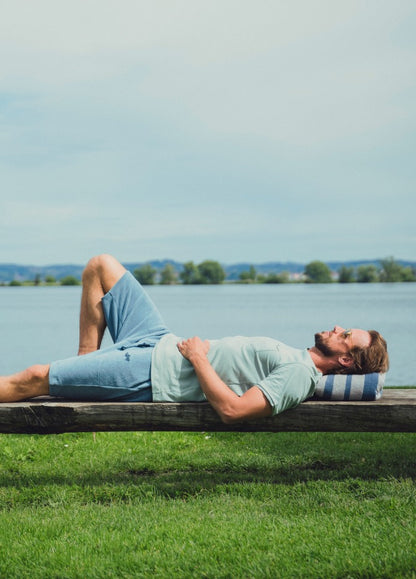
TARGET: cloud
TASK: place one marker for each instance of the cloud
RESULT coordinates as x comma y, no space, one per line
194,127
300,72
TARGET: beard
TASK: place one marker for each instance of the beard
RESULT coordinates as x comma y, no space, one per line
322,345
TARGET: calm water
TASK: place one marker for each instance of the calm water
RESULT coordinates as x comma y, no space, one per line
41,324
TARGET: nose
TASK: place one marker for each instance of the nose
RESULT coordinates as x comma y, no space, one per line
338,329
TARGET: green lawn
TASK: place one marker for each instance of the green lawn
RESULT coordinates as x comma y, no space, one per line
208,505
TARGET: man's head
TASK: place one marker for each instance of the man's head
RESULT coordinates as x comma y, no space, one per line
353,351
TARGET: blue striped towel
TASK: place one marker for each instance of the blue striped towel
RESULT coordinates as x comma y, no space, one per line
350,386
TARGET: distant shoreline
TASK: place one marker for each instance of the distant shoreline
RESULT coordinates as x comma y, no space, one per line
268,272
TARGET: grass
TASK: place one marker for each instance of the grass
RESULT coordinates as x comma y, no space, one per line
220,505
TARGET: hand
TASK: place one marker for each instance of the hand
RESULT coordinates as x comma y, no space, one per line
193,348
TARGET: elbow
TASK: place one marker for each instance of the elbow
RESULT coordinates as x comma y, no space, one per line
228,419
229,416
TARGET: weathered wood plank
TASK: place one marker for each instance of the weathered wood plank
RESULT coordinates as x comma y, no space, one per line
395,412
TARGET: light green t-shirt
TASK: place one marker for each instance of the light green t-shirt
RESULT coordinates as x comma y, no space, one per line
285,375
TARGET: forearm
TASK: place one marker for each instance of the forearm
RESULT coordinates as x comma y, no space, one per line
219,395
230,406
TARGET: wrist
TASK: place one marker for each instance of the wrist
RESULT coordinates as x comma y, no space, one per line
198,359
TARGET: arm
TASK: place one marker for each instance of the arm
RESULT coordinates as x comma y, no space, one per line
230,406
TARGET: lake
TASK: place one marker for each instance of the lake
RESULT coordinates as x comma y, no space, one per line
40,324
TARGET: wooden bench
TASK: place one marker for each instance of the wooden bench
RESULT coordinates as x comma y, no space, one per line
395,412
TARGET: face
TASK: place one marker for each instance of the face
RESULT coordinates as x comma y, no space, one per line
341,341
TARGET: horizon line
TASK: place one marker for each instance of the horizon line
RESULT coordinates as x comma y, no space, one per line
247,262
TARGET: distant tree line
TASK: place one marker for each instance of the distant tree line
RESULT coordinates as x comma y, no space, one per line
49,280
389,271
318,272
212,272
207,272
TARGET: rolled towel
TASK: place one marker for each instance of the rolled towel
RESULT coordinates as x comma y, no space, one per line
350,386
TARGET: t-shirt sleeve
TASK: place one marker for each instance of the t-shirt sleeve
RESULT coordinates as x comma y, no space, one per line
287,386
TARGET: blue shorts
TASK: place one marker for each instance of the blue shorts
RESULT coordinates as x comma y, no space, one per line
120,372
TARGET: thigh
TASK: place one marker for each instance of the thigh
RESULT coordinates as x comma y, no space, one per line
130,313
114,373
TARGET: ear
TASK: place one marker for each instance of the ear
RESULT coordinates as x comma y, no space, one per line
345,361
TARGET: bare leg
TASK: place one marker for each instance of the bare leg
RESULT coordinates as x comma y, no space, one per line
99,276
33,381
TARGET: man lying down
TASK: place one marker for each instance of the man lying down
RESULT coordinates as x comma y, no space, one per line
242,378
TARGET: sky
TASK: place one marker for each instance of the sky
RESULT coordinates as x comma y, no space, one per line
233,130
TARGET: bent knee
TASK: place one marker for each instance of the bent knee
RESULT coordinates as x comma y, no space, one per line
99,263
105,269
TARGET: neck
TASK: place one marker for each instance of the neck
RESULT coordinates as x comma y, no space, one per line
323,364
